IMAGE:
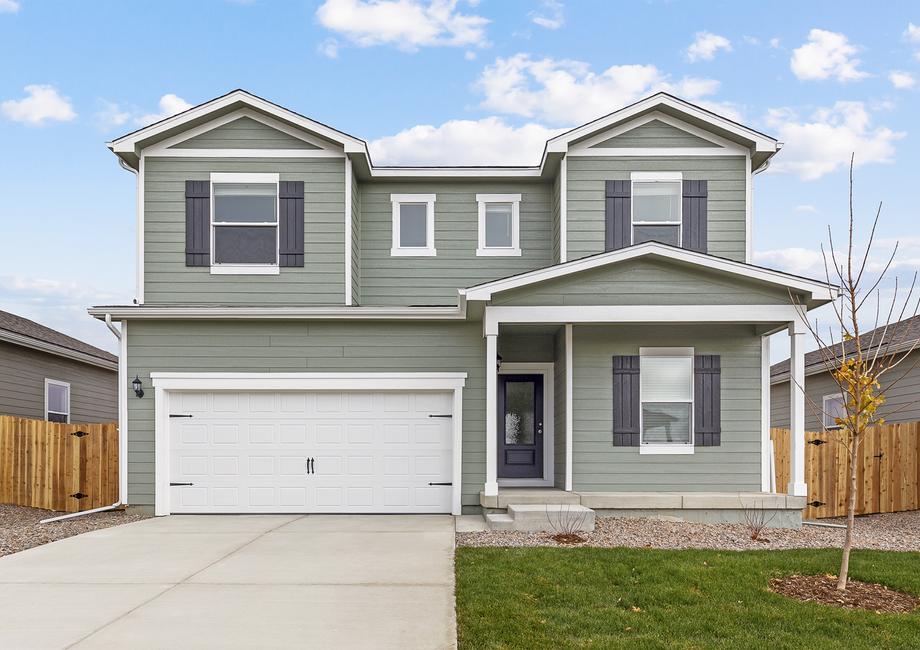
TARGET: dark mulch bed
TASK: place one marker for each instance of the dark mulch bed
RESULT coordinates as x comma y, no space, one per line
858,595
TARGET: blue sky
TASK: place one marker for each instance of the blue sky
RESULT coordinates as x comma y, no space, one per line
442,82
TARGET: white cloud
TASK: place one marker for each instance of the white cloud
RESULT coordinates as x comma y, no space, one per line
800,261
774,43
170,104
826,54
551,15
469,55
901,80
566,91
806,207
823,142
705,46
912,33
9,6
42,104
111,115
329,48
489,141
406,24
750,40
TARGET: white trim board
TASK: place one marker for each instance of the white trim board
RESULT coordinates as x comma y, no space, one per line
288,313
348,233
165,383
722,146
547,371
485,291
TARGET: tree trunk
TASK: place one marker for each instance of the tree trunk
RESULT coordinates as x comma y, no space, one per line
851,515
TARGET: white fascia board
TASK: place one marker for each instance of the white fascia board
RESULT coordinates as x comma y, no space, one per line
381,381
285,313
494,316
128,143
760,141
456,172
819,290
56,350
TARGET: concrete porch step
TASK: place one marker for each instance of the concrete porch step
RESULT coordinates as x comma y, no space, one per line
524,496
545,517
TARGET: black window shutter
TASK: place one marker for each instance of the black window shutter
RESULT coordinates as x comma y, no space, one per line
695,198
291,223
197,223
626,401
617,215
707,400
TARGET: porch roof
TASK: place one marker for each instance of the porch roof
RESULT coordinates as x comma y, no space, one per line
815,292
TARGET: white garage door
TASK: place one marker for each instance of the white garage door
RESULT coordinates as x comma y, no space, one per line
372,452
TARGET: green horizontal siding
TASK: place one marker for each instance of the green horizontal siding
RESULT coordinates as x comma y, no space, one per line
654,134
645,282
585,203
387,280
244,133
275,346
732,466
168,281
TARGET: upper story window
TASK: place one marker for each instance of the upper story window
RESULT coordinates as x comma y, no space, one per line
244,223
413,225
57,401
499,224
666,396
656,208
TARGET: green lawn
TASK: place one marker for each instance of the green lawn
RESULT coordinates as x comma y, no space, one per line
642,598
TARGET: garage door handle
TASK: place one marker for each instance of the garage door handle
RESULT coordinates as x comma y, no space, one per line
311,469
440,484
179,415
180,484
440,415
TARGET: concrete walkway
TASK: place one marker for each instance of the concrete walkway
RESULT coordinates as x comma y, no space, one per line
262,581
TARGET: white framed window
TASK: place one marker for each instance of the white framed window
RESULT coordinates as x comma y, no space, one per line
656,207
413,225
499,225
57,400
833,406
666,400
244,224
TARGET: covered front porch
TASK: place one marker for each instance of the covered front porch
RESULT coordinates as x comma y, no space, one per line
575,332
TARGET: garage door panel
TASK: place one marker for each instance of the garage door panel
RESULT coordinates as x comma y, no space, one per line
373,452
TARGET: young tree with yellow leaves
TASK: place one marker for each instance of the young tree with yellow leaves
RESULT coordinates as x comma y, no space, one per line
864,366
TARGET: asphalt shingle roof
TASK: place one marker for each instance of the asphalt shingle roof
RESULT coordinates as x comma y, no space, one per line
902,332
29,328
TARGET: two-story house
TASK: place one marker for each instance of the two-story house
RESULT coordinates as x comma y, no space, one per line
316,333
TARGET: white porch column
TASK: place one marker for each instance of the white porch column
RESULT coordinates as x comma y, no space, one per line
491,486
767,471
797,331
569,416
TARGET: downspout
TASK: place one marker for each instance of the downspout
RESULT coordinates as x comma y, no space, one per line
117,504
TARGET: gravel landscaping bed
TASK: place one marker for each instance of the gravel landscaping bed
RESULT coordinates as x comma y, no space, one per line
20,528
889,532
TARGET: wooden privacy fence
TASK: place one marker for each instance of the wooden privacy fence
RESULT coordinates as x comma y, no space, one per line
63,467
887,477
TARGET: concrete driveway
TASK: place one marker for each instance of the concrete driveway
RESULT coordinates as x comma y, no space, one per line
216,581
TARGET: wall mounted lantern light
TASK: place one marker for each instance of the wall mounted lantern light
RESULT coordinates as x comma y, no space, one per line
136,385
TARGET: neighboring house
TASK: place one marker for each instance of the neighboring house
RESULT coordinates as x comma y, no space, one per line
316,333
50,376
823,399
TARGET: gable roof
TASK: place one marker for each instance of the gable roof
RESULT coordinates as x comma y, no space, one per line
22,331
128,147
900,336
816,292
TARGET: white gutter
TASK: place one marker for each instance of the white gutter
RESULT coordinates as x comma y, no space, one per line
122,428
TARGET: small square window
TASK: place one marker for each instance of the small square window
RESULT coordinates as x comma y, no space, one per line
499,224
834,407
413,225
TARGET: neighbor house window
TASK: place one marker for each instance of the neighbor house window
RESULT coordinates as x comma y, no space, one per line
656,208
244,222
834,407
666,397
499,224
57,401
413,225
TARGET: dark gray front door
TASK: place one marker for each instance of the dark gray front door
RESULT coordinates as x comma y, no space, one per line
520,426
